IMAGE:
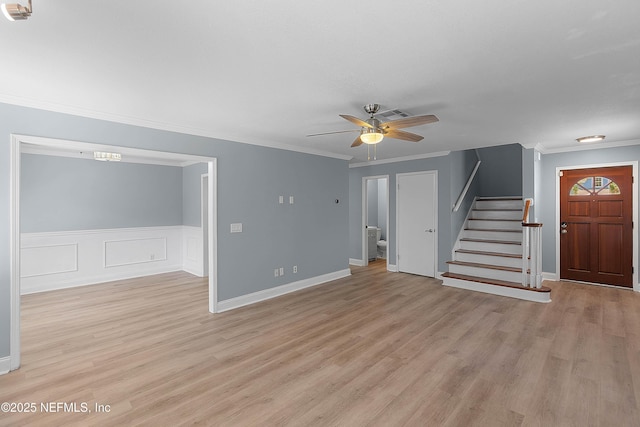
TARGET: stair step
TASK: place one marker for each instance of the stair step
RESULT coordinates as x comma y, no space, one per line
489,257
497,254
494,224
490,245
492,271
497,210
488,281
497,199
495,230
507,215
503,242
487,266
499,203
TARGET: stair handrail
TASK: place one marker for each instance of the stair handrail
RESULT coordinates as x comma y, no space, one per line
466,187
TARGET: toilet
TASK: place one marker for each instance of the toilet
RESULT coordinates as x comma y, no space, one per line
382,244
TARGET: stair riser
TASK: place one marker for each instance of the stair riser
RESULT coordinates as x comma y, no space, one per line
492,247
495,225
493,235
523,293
496,214
486,273
489,259
499,204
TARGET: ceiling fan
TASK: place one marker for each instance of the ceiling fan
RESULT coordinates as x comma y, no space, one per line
372,130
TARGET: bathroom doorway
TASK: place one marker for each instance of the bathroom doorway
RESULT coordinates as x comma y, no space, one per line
375,210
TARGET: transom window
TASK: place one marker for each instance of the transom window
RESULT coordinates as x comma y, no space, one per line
594,185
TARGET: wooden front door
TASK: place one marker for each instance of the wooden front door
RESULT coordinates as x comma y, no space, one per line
596,237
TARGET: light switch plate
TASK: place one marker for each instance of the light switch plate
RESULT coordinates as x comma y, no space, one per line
236,227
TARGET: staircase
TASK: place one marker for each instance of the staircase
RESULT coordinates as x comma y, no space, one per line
488,256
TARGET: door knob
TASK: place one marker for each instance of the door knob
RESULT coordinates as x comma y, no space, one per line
563,231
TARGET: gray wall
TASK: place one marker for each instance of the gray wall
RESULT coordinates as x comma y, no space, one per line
500,172
191,194
546,201
64,194
458,164
312,233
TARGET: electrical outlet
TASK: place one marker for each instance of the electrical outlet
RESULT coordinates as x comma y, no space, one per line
295,269
276,273
281,199
282,271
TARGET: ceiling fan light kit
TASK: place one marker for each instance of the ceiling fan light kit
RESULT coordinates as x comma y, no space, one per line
371,136
15,11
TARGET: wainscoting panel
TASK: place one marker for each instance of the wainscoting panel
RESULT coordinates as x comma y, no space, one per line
44,260
134,251
74,258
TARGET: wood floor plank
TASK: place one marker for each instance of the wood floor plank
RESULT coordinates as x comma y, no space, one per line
375,348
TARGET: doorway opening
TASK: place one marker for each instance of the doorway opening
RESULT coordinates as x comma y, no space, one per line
375,219
22,142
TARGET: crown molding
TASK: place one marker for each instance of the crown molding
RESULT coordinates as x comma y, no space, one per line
582,146
399,159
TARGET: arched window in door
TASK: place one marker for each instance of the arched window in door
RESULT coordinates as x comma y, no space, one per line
594,185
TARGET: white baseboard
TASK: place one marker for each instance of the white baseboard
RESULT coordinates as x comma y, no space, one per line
392,267
266,294
550,276
86,281
356,262
5,365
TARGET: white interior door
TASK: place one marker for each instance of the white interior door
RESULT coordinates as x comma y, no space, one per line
416,223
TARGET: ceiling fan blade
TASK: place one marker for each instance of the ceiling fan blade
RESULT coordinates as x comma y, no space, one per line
405,136
330,133
357,142
356,121
410,121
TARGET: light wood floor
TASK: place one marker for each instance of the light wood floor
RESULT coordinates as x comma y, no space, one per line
376,348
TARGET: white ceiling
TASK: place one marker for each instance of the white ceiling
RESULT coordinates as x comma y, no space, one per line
269,73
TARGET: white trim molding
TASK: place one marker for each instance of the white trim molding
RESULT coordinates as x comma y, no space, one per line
356,262
399,159
266,294
17,143
5,365
392,267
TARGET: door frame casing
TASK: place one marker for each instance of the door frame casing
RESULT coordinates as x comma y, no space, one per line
435,218
365,258
14,221
634,195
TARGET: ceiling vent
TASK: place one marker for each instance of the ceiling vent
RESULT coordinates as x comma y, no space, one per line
389,115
